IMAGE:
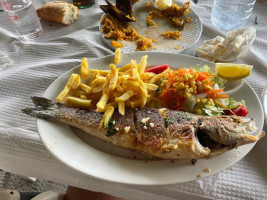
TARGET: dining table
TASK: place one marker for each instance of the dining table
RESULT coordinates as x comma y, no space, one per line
36,64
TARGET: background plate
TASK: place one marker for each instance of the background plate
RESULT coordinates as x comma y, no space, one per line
104,161
189,35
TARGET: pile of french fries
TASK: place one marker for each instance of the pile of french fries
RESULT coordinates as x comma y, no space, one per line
104,90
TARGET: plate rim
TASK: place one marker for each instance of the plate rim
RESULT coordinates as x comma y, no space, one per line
129,182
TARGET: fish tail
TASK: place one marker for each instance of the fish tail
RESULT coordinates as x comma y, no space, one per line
44,108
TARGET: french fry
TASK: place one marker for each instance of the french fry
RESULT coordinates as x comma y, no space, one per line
100,72
117,55
133,64
77,82
85,72
113,104
78,93
151,87
97,89
63,94
106,117
112,68
78,103
147,75
135,74
132,83
142,64
106,85
71,80
125,68
93,76
125,96
113,78
83,97
119,88
86,88
102,102
121,107
98,81
159,76
67,88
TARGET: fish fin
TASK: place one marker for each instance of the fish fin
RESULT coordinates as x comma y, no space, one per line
44,108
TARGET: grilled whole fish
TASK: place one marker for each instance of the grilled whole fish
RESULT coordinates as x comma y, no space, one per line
162,133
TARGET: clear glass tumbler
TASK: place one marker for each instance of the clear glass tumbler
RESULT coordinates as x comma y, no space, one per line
24,18
231,14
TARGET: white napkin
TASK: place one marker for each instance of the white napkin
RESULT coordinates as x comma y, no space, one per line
235,45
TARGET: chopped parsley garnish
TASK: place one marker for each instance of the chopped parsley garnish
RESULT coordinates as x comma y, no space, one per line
189,117
168,121
111,123
111,132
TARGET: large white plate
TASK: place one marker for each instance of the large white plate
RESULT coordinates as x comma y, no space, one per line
189,35
105,161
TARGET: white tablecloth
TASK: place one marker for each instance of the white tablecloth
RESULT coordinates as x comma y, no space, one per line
37,64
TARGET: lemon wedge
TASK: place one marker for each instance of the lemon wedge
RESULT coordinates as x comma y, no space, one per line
232,71
162,4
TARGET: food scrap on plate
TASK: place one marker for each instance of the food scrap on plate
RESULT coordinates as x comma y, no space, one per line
115,24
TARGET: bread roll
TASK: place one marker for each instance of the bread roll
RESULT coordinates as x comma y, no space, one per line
58,11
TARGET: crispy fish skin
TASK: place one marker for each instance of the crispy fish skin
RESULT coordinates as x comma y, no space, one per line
162,133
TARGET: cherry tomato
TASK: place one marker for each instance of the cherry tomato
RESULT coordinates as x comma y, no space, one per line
239,110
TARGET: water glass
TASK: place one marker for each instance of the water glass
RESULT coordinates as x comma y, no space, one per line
231,14
23,17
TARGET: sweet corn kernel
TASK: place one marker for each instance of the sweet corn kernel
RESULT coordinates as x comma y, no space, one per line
185,76
204,100
194,88
204,82
195,76
198,111
199,83
211,102
190,90
192,82
208,87
181,86
187,95
186,87
197,100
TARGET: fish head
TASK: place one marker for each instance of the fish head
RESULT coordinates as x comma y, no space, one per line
227,132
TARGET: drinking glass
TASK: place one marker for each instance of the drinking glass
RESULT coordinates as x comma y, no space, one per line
23,17
231,14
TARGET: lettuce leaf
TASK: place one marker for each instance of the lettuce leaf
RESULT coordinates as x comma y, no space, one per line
230,102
